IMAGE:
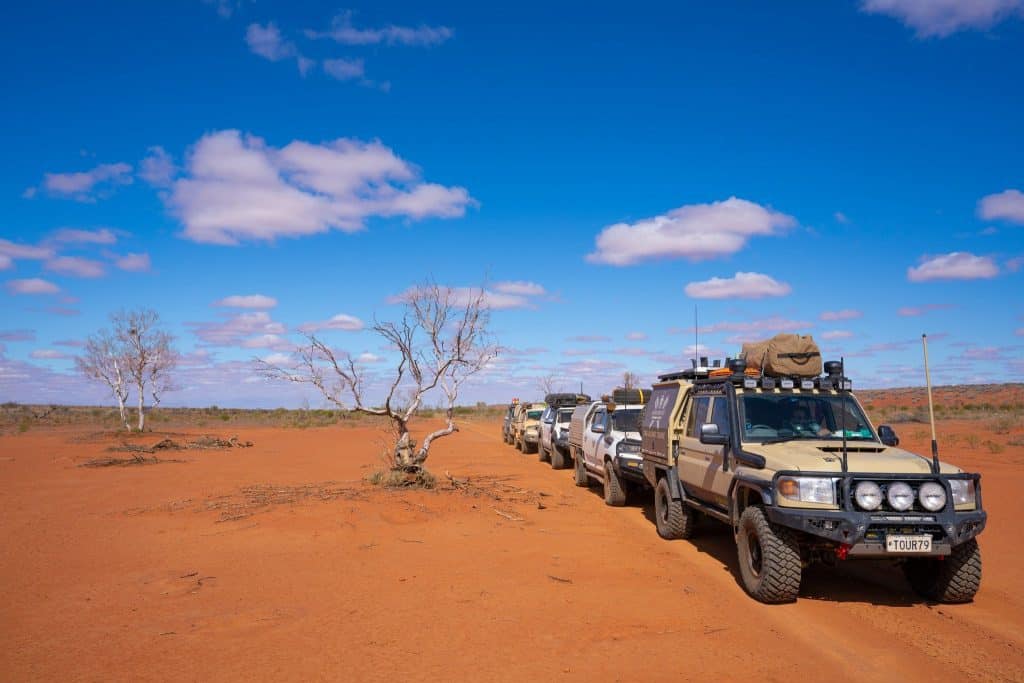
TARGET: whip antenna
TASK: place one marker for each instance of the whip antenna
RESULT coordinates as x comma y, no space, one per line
931,407
842,410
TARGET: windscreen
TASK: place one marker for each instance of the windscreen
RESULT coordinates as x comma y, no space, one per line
626,420
564,416
802,416
534,414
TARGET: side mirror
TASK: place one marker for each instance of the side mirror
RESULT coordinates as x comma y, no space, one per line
887,435
709,435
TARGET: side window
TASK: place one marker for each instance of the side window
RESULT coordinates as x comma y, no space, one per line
599,418
720,414
698,415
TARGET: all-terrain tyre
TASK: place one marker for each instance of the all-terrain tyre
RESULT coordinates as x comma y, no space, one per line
558,459
769,558
614,489
521,445
542,453
579,475
672,518
954,579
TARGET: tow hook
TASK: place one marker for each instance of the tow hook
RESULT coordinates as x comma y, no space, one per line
842,550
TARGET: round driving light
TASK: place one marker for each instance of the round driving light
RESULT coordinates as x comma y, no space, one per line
932,496
868,495
901,496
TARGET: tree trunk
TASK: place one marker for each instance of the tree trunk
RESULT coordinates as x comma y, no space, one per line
404,457
142,414
124,412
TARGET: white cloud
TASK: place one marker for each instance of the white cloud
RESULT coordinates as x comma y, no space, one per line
460,296
74,236
841,217
277,359
135,263
266,341
940,18
844,314
235,330
158,168
520,287
836,334
81,185
958,265
31,286
247,301
915,311
1007,205
267,42
344,69
51,354
740,286
636,336
695,232
5,262
368,357
343,31
23,251
341,321
238,188
75,266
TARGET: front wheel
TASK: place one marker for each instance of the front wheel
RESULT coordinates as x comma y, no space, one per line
542,453
579,476
557,459
954,579
769,558
672,517
614,489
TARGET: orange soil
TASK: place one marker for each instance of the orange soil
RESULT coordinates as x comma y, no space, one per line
174,571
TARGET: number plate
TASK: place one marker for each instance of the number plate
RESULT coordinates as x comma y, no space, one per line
908,544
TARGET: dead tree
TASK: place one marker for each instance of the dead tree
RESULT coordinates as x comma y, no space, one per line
136,354
103,360
630,380
442,340
546,384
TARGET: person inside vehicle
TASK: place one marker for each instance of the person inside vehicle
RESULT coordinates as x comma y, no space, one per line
801,421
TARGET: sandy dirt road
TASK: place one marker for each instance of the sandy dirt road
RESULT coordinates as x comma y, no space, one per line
279,562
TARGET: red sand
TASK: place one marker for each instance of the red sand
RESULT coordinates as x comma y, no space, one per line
133,574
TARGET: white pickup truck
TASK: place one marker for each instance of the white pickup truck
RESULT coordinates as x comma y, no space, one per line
604,444
554,428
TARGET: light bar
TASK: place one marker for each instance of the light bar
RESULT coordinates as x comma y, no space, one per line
786,383
767,383
807,384
749,383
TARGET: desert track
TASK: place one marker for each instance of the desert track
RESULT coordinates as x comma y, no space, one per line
278,562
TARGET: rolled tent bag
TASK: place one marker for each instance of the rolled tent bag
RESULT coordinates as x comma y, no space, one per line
784,355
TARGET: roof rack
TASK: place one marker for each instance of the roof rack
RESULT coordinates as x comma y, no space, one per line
734,370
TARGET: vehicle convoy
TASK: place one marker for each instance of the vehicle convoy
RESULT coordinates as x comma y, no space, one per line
786,456
554,428
525,431
604,443
506,423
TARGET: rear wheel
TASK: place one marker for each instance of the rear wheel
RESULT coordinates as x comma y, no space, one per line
673,519
953,579
614,489
521,445
542,454
557,459
769,558
579,476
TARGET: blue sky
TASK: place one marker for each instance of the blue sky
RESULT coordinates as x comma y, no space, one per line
852,170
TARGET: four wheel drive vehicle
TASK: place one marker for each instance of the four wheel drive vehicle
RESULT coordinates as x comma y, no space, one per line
554,428
526,426
604,444
506,423
797,470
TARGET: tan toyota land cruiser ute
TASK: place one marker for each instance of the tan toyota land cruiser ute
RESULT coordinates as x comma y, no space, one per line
526,426
793,465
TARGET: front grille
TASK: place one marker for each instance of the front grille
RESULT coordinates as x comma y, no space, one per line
877,533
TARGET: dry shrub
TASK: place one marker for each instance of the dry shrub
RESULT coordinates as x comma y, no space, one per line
994,447
1002,424
396,479
1016,441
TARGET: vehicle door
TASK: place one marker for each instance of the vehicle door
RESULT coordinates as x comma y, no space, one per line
716,477
546,425
694,462
593,434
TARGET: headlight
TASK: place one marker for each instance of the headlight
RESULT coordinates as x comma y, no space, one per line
808,489
868,495
963,491
932,496
627,448
900,496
